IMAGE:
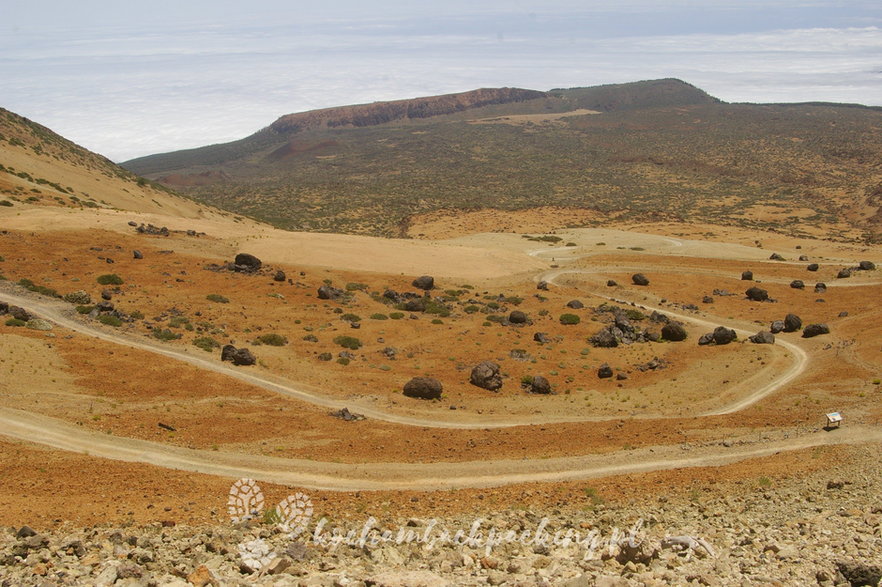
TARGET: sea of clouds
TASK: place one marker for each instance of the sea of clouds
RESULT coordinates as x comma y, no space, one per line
131,84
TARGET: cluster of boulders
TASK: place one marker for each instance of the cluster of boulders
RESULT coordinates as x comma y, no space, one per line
720,336
237,356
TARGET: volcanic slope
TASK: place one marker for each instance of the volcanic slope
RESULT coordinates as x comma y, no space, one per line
360,346
645,151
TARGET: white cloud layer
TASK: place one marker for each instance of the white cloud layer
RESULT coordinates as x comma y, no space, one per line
125,86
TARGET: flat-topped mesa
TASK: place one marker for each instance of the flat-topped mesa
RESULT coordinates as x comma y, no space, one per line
382,112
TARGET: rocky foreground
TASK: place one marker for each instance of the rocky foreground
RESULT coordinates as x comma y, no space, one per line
821,531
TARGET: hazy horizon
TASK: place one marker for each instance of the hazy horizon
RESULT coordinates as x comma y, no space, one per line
128,81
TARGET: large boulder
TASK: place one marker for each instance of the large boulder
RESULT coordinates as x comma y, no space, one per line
777,326
280,276
423,388
241,356
747,275
866,266
813,267
797,284
776,257
604,339
19,313
844,273
757,294
723,335
820,287
486,376
815,330
4,308
517,317
246,263
415,305
639,279
575,304
706,339
540,385
424,282
792,323
763,337
543,285
673,331
604,371
326,292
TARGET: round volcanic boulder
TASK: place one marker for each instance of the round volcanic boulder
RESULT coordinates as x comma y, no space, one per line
866,266
543,285
575,304
844,273
820,287
19,313
423,388
723,335
136,254
797,284
280,276
604,372
517,317
777,326
814,330
813,267
763,337
228,352
757,294
540,385
611,283
792,323
424,282
244,357
246,263
326,292
776,257
673,331
486,376
541,337
639,279
747,276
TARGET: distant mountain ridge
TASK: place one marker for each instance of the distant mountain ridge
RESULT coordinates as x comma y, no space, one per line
382,112
648,150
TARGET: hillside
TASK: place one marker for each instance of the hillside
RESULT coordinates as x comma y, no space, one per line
151,380
629,152
42,168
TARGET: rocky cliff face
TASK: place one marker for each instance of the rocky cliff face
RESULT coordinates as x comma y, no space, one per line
382,112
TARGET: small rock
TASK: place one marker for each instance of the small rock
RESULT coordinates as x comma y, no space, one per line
639,279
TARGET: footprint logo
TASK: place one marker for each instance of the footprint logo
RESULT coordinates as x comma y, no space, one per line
296,513
246,501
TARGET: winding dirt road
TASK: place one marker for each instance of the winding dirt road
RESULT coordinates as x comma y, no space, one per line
62,435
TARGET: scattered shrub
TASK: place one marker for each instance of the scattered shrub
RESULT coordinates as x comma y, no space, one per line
109,279
110,320
271,339
206,343
15,322
396,315
217,298
471,309
356,287
343,361
137,314
165,334
569,319
437,321
348,342
84,309
351,317
40,289
379,316
6,203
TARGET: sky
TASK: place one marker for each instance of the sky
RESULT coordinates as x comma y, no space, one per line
129,79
